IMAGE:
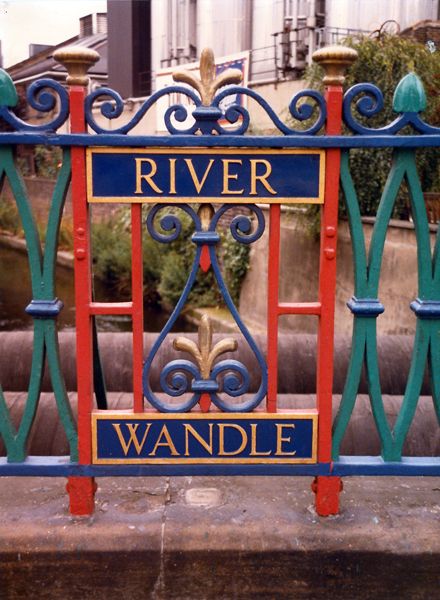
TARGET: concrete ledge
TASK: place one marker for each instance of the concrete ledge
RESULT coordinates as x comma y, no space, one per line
191,538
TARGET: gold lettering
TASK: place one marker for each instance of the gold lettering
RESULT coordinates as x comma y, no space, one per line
190,429
254,451
198,184
148,177
169,442
172,175
281,439
227,175
132,428
221,441
262,178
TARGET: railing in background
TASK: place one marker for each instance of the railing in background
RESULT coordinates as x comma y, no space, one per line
208,130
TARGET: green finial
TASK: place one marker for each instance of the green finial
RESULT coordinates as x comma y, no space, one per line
409,95
8,93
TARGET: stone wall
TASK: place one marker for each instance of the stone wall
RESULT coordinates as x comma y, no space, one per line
299,266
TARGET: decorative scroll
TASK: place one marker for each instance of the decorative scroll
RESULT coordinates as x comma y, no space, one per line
365,308
114,109
44,308
207,114
182,376
409,100
39,99
206,118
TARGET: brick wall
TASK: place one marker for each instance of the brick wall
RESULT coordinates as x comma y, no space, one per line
40,193
423,32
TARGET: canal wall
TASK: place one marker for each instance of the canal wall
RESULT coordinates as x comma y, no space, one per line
299,276
40,192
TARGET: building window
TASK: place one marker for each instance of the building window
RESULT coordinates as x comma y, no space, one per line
181,36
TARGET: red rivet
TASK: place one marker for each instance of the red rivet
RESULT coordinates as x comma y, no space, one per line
81,231
329,253
330,231
80,254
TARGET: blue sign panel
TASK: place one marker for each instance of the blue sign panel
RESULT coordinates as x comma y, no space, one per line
201,438
205,175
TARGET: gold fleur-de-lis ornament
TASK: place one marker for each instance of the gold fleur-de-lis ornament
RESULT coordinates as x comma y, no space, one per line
208,83
204,352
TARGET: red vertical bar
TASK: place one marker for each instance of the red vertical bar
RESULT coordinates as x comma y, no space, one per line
335,60
83,290
327,277
138,305
82,489
273,274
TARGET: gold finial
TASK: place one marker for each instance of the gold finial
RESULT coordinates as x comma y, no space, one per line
208,83
206,212
77,61
204,353
335,60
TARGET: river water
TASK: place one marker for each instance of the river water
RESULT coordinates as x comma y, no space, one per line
15,295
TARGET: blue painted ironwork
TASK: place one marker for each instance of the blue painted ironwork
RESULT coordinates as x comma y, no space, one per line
211,141
206,118
365,306
51,466
260,436
39,99
127,175
426,309
182,376
54,466
44,308
371,103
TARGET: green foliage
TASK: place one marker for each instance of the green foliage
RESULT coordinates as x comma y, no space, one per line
384,62
166,266
111,248
46,162
9,218
176,265
236,264
179,255
10,222
65,236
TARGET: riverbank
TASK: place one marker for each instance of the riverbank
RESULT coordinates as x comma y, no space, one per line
64,258
221,318
16,293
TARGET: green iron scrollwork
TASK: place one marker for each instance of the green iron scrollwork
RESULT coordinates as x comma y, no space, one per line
366,308
44,307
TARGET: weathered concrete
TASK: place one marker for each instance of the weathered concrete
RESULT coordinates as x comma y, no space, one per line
250,538
299,274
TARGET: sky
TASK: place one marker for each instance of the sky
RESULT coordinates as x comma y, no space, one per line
24,22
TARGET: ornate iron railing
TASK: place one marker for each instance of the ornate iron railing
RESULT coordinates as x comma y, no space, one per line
197,381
